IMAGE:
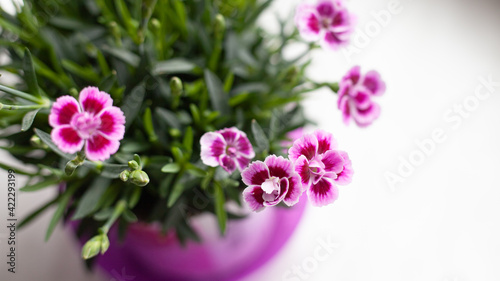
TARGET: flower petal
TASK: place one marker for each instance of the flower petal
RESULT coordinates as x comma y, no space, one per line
307,22
242,162
326,8
255,174
362,98
93,100
212,147
323,193
63,110
306,145
302,168
353,75
345,177
230,135
284,185
99,148
365,117
112,123
332,40
227,163
279,167
294,190
252,195
326,141
333,161
66,139
244,147
374,83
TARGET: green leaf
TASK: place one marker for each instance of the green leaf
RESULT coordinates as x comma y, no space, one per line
174,66
29,74
171,168
90,199
40,185
259,136
220,200
103,214
28,119
148,125
196,171
62,206
188,139
123,55
86,73
129,216
132,103
134,197
218,98
175,194
168,117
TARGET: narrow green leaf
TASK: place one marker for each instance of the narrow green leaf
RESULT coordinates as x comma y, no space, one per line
171,168
28,119
103,214
259,136
218,98
134,197
132,103
29,74
175,194
174,66
129,216
188,139
168,117
86,73
220,200
90,199
196,171
40,185
148,125
62,205
123,55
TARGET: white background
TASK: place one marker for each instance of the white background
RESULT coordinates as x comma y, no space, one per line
442,223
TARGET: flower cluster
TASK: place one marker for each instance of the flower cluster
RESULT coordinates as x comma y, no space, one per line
355,96
314,166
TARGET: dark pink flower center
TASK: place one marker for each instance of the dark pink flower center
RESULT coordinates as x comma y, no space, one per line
326,23
85,124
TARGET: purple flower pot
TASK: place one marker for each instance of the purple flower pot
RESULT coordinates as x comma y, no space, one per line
249,243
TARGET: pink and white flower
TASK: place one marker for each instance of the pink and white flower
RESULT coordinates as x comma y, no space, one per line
355,96
328,21
320,166
228,148
271,182
92,122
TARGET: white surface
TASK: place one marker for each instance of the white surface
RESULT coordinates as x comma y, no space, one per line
442,223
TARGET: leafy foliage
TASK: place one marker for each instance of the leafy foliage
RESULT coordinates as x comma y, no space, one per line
232,73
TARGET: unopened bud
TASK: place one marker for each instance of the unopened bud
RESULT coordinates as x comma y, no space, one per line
219,26
176,86
133,165
37,142
124,176
139,178
92,247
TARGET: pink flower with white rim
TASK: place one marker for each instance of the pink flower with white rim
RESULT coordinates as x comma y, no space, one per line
92,122
271,182
320,166
355,96
327,21
228,148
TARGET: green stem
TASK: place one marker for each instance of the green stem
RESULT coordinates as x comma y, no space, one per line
21,94
119,209
20,107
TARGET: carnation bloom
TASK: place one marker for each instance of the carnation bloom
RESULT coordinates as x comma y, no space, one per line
355,96
228,148
271,182
320,166
92,122
327,21
291,137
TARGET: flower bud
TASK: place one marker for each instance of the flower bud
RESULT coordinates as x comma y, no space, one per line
219,26
133,165
176,86
92,247
37,142
125,175
104,244
139,178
